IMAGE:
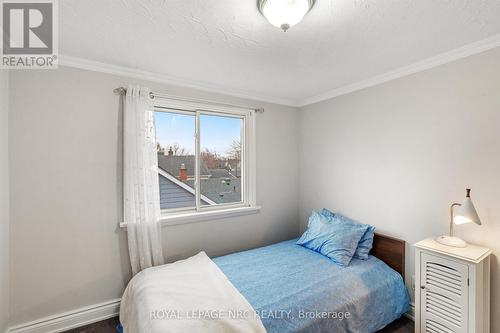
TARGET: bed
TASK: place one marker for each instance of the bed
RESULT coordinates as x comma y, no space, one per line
294,289
289,288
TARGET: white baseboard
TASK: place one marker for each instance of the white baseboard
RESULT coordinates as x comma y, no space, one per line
411,313
69,320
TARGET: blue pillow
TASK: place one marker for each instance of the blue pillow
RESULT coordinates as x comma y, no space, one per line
366,242
335,240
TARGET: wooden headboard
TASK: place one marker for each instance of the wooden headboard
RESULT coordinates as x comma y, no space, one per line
391,251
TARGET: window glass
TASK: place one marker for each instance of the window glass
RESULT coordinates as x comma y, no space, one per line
175,135
221,160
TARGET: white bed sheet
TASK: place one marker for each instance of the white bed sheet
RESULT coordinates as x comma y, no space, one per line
191,295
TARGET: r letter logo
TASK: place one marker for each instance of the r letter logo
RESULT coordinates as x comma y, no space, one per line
29,34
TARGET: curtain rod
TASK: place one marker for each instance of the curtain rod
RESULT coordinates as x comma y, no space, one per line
122,91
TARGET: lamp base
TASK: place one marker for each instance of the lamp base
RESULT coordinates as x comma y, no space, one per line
451,241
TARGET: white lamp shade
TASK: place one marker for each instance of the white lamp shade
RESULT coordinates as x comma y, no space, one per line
285,13
466,213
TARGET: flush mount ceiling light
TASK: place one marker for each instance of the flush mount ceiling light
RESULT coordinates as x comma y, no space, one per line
284,13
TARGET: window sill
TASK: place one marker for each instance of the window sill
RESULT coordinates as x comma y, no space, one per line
185,218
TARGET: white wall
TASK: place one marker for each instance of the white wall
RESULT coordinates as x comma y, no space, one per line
66,181
397,155
4,201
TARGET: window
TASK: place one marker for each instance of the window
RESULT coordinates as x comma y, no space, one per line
205,159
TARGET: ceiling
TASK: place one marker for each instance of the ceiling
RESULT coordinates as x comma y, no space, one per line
228,45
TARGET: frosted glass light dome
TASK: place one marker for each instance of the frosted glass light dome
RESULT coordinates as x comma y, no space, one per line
285,13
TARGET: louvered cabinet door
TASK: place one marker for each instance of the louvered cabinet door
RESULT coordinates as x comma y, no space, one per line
444,295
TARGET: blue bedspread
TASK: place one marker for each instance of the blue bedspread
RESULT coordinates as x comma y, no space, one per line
295,289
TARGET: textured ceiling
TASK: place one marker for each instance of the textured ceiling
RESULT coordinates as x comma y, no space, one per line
227,43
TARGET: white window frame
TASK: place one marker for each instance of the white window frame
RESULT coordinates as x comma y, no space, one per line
248,204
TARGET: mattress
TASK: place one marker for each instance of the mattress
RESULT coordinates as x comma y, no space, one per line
294,289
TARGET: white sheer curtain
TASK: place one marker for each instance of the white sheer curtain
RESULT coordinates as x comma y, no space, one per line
141,189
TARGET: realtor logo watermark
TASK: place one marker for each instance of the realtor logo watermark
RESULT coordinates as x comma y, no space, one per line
29,34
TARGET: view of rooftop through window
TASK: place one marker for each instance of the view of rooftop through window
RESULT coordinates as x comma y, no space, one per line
220,142
220,159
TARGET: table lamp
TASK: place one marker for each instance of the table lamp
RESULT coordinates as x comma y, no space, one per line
465,213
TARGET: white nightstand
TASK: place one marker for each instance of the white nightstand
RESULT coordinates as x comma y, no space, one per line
452,288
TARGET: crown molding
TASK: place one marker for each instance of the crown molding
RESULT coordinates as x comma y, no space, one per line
101,67
440,59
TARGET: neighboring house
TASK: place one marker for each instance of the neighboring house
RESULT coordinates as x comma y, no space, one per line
234,166
221,190
177,194
221,173
176,177
171,163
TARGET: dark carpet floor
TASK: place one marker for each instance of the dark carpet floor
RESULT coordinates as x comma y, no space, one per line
403,325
